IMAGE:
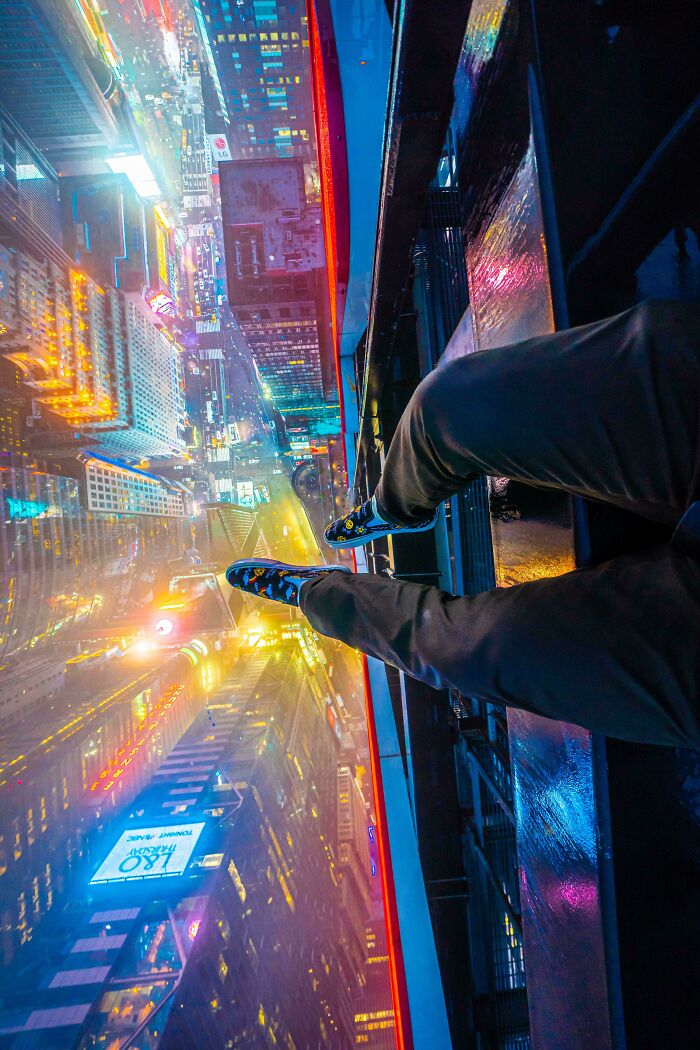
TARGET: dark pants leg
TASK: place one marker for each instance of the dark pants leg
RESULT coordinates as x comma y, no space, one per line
614,648
612,411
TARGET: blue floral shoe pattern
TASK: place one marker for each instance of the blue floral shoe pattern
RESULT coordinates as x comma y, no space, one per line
365,523
275,580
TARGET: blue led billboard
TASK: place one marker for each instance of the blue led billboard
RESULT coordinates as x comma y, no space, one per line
146,853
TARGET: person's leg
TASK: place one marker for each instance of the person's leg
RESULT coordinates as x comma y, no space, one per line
613,648
610,410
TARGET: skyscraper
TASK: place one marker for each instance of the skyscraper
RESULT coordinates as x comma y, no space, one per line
97,359
59,84
375,1025
274,264
30,212
260,61
237,945
260,48
54,769
354,867
105,230
55,325
156,395
112,488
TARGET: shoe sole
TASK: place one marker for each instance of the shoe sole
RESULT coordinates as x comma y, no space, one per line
360,541
270,563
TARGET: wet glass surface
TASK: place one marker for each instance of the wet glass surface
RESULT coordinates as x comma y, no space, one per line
511,302
554,788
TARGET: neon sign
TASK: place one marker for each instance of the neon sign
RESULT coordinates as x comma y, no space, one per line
147,853
161,303
25,508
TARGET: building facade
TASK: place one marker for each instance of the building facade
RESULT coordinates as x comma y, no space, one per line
274,266
240,947
260,51
63,564
60,86
112,488
30,213
105,230
55,808
522,202
95,358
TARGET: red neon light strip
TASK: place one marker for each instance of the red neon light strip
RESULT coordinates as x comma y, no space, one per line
397,973
150,723
325,163
333,173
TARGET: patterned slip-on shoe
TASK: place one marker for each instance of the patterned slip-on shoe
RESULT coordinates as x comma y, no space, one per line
365,523
275,579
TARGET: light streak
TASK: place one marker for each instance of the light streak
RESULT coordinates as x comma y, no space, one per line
397,975
142,734
70,728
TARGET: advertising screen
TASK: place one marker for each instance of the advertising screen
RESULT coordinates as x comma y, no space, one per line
245,494
146,853
161,303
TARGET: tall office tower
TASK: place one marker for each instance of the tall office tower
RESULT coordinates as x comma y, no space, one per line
354,866
112,488
233,938
375,1025
119,239
65,563
260,64
260,49
104,230
30,212
57,79
156,418
59,769
274,260
215,114
13,416
96,359
55,330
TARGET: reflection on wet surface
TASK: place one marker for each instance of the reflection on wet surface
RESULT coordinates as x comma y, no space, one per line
535,544
507,266
554,787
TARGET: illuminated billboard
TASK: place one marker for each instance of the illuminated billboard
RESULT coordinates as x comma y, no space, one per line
161,303
147,853
219,146
245,494
162,246
138,172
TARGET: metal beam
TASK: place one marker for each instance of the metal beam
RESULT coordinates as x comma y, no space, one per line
428,37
